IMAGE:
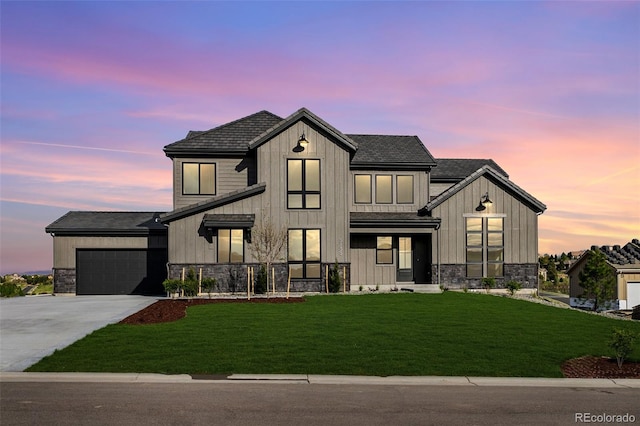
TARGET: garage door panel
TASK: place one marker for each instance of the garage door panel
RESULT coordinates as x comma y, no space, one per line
120,271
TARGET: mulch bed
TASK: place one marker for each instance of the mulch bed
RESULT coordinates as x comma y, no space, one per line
175,309
600,368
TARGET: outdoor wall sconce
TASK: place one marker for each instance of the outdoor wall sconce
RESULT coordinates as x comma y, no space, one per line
302,142
484,202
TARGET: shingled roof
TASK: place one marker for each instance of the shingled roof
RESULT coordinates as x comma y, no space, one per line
230,138
391,152
626,255
107,223
456,169
239,136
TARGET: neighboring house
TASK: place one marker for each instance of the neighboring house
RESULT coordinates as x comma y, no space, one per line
380,206
625,265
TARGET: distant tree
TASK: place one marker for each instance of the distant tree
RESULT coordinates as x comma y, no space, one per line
552,272
597,279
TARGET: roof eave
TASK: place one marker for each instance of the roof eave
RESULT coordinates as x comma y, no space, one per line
361,165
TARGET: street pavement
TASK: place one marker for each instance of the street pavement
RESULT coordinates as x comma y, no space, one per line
319,400
33,327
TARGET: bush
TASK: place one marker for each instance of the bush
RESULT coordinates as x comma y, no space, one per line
10,290
171,286
261,280
190,287
488,283
335,282
513,286
208,285
622,344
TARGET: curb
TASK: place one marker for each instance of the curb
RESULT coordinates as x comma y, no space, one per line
8,377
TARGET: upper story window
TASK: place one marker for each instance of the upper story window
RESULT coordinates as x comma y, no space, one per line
362,189
198,178
303,184
404,189
384,191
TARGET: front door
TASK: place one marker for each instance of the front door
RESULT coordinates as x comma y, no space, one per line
422,259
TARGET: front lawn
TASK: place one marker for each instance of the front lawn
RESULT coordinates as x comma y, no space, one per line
379,334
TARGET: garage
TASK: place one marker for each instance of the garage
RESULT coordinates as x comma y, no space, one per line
633,294
120,271
109,253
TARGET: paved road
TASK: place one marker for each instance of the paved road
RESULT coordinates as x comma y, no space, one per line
32,327
250,403
564,298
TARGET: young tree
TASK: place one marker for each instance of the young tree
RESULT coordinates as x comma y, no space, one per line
267,241
597,279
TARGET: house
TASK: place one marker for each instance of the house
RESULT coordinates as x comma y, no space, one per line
625,265
380,206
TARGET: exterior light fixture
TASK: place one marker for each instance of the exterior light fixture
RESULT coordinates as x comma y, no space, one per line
484,202
303,142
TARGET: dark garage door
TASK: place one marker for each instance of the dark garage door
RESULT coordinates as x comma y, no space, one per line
118,271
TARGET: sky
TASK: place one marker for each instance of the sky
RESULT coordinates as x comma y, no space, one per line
90,93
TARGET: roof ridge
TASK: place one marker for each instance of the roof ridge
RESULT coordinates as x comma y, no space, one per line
222,126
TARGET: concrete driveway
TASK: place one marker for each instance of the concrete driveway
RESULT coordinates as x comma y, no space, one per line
32,327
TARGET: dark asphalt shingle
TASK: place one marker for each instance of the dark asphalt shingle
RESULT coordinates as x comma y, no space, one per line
451,169
106,222
391,149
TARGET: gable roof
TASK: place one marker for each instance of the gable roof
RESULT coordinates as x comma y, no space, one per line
230,138
107,223
391,152
499,179
304,114
456,169
217,201
616,256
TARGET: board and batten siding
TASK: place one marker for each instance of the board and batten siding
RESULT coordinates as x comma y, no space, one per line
520,223
187,246
364,269
231,174
64,247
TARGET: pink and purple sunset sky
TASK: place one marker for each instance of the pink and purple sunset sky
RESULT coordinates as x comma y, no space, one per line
92,91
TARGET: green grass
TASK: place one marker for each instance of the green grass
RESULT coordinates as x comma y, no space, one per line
381,334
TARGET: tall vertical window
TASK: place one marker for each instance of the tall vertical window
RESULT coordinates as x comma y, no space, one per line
405,255
404,189
198,178
485,247
230,246
362,184
304,253
384,191
303,184
384,250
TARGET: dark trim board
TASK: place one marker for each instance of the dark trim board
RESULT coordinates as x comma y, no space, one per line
120,271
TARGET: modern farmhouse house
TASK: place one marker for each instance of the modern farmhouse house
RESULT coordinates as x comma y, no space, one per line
380,206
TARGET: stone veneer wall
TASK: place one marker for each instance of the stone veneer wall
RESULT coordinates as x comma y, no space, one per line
232,278
453,276
64,280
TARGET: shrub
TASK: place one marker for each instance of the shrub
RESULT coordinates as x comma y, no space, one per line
488,283
622,344
171,286
513,286
261,280
10,290
189,287
335,282
208,284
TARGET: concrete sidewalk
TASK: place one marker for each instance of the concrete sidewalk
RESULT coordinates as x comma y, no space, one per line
321,380
33,327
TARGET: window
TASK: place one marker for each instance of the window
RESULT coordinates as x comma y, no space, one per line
383,189
384,250
303,184
405,255
485,247
198,178
404,189
304,253
230,246
363,189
